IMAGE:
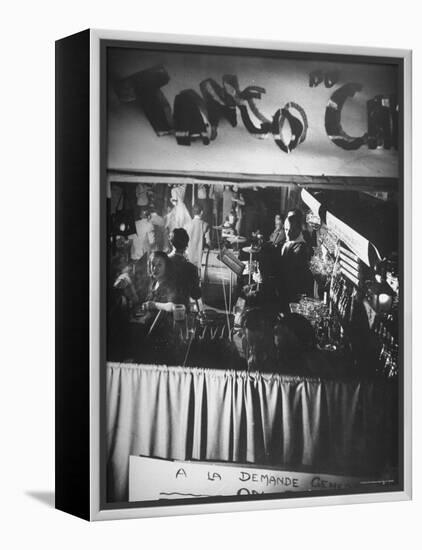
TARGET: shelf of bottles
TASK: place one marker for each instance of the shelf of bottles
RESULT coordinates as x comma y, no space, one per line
328,331
347,288
346,291
343,295
385,331
346,282
385,326
330,335
334,268
342,300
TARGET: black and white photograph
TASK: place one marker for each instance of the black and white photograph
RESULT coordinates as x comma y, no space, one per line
210,289
253,274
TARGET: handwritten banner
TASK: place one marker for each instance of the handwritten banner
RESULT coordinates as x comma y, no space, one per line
154,479
196,116
252,114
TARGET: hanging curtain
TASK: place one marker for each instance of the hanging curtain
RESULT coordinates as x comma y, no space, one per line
199,414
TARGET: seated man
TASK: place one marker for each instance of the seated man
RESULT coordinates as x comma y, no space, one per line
185,273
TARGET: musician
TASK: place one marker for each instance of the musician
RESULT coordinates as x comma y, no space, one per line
295,276
269,261
229,225
278,236
199,234
185,273
306,234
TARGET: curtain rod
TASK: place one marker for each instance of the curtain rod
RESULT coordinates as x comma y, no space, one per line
321,182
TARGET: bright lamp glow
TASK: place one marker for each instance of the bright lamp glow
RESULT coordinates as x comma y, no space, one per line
384,299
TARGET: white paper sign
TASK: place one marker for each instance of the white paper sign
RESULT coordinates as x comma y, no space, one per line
154,479
365,250
311,201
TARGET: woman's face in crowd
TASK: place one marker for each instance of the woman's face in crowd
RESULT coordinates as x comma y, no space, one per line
158,268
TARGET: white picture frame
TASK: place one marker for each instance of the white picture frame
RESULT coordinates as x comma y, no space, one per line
96,508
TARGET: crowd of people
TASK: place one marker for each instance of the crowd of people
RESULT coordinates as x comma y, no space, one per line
163,270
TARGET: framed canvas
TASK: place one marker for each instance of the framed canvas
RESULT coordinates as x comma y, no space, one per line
233,280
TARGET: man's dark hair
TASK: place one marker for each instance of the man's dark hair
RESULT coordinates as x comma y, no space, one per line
179,239
295,219
197,209
295,214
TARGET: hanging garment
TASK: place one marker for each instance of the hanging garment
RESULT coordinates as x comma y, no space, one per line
142,194
198,233
227,202
160,232
143,240
179,215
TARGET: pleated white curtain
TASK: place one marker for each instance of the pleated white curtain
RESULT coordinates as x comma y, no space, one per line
200,414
